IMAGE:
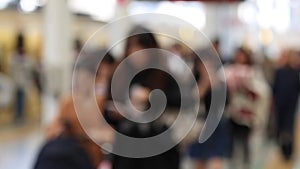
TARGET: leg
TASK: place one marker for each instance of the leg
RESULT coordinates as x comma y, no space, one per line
286,136
20,100
246,146
241,152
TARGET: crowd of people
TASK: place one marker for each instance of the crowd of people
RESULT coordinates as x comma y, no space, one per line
251,101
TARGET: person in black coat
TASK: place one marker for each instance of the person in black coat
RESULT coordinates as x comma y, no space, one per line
140,87
286,92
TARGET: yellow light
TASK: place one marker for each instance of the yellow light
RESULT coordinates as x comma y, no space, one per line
265,36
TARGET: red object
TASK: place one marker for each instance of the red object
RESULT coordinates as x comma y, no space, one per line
122,2
211,0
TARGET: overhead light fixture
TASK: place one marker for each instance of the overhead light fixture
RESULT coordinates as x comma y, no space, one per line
101,10
247,12
28,5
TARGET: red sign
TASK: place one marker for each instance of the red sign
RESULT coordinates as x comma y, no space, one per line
211,0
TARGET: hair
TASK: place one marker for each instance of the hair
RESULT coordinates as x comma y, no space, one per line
20,40
247,53
216,41
90,60
77,44
20,43
108,58
143,37
146,39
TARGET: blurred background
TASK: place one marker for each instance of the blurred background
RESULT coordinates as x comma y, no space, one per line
41,39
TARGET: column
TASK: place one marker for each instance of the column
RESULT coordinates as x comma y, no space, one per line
57,54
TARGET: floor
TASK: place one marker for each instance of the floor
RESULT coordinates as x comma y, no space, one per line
20,145
18,150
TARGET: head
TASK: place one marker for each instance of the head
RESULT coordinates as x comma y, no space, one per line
20,43
77,45
88,71
177,48
216,44
138,39
293,59
243,56
105,68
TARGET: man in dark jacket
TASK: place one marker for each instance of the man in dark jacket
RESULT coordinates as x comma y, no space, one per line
286,93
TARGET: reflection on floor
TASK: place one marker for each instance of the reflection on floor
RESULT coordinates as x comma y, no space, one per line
275,160
19,146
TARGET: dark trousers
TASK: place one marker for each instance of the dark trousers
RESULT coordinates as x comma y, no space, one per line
20,104
285,130
240,136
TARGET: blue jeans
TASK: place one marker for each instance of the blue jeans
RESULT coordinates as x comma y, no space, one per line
20,104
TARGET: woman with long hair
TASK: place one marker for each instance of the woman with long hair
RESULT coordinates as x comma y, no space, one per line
140,87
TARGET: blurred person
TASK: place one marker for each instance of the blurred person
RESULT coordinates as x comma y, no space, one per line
180,49
268,66
21,71
77,46
67,122
283,58
216,46
177,67
213,152
6,90
104,74
140,87
217,50
247,87
286,93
